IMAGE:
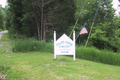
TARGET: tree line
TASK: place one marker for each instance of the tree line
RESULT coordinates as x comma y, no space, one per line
39,18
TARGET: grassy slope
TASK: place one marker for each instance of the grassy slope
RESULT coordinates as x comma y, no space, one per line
42,66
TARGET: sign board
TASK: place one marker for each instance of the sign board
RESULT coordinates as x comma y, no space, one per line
64,45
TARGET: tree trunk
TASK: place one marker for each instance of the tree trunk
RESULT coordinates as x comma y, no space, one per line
37,20
44,29
41,28
42,6
44,33
38,28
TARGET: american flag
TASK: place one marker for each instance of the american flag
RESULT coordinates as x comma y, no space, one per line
83,30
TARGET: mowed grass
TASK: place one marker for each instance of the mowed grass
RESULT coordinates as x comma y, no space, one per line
42,66
38,65
88,53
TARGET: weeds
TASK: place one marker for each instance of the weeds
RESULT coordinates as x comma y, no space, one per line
27,45
5,37
96,55
89,53
3,71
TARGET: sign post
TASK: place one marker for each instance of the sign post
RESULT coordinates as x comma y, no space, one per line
64,45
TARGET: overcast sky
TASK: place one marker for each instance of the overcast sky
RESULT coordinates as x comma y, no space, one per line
3,3
115,4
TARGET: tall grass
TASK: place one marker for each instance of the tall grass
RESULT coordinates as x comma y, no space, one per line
5,37
27,45
89,53
93,54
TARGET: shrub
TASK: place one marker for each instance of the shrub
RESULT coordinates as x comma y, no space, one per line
93,54
89,53
27,45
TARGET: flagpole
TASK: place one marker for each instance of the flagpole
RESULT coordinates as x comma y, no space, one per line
93,24
78,18
79,39
77,36
89,34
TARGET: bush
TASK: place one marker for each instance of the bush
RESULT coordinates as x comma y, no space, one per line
89,53
27,45
96,55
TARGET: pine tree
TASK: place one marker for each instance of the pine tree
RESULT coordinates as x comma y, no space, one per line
1,18
29,17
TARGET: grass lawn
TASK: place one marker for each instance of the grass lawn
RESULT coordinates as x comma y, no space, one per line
42,66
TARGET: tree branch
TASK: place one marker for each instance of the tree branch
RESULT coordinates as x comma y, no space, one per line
48,2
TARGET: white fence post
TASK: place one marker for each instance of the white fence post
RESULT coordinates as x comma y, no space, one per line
54,44
74,44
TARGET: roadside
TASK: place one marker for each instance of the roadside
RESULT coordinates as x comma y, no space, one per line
2,32
5,43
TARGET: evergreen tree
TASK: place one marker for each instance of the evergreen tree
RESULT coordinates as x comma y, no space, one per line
104,29
27,17
1,18
16,11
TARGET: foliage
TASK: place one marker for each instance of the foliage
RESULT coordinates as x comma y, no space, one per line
27,45
5,37
41,65
99,37
92,53
26,16
3,69
106,36
96,55
23,18
105,11
105,25
7,17
1,18
115,40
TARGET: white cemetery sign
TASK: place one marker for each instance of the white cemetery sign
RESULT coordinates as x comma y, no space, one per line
64,45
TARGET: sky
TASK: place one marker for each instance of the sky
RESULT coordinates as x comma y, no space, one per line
3,3
115,4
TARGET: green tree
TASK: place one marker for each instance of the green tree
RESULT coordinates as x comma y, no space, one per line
115,39
105,15
106,35
7,18
100,36
105,11
63,17
16,23
27,17
1,18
